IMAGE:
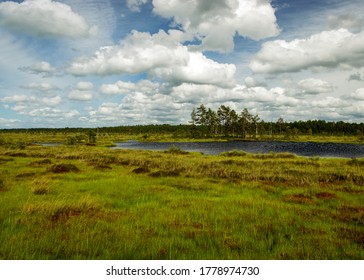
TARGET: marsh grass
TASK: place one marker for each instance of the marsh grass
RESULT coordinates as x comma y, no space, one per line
162,205
40,186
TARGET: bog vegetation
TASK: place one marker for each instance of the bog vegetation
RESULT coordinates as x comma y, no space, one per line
83,201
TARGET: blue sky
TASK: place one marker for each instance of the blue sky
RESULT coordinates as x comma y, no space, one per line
89,63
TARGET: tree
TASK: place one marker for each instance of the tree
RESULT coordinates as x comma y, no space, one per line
223,114
201,115
233,121
244,120
280,123
91,135
255,121
211,121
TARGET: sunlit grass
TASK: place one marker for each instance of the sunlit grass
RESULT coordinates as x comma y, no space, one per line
121,204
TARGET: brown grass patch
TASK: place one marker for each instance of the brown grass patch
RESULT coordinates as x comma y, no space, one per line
325,195
299,198
355,235
164,173
63,168
41,162
141,170
5,160
25,175
102,167
351,214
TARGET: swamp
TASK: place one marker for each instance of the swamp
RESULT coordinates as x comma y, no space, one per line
93,202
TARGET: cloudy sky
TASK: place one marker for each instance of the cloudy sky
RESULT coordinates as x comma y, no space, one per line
89,63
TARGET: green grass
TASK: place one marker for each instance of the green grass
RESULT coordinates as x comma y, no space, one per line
120,204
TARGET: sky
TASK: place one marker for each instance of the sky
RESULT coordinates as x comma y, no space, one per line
96,63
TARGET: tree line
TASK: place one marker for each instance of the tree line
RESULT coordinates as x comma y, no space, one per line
225,121
206,122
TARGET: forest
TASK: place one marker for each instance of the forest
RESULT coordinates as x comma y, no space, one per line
222,123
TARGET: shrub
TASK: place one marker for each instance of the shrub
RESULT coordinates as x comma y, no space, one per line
175,150
234,153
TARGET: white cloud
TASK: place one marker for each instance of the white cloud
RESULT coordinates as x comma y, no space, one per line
159,55
41,67
9,122
53,113
199,70
215,22
32,101
314,86
134,5
328,49
83,91
45,87
81,95
85,86
251,82
108,109
52,101
358,94
121,87
138,53
35,107
43,18
15,98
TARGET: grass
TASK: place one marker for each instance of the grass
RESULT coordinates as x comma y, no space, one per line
121,204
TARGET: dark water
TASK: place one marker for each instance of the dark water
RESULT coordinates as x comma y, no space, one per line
308,149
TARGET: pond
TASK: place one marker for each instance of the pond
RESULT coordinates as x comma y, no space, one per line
308,149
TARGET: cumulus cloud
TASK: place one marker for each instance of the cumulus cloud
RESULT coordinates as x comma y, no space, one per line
53,113
82,92
199,70
138,53
15,98
44,87
85,86
251,82
358,94
9,122
35,106
314,86
160,55
43,18
328,49
80,95
31,101
41,67
121,87
215,22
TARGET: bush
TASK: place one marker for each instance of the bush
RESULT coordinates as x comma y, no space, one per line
234,153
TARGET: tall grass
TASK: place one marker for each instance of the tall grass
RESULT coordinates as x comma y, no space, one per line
175,205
